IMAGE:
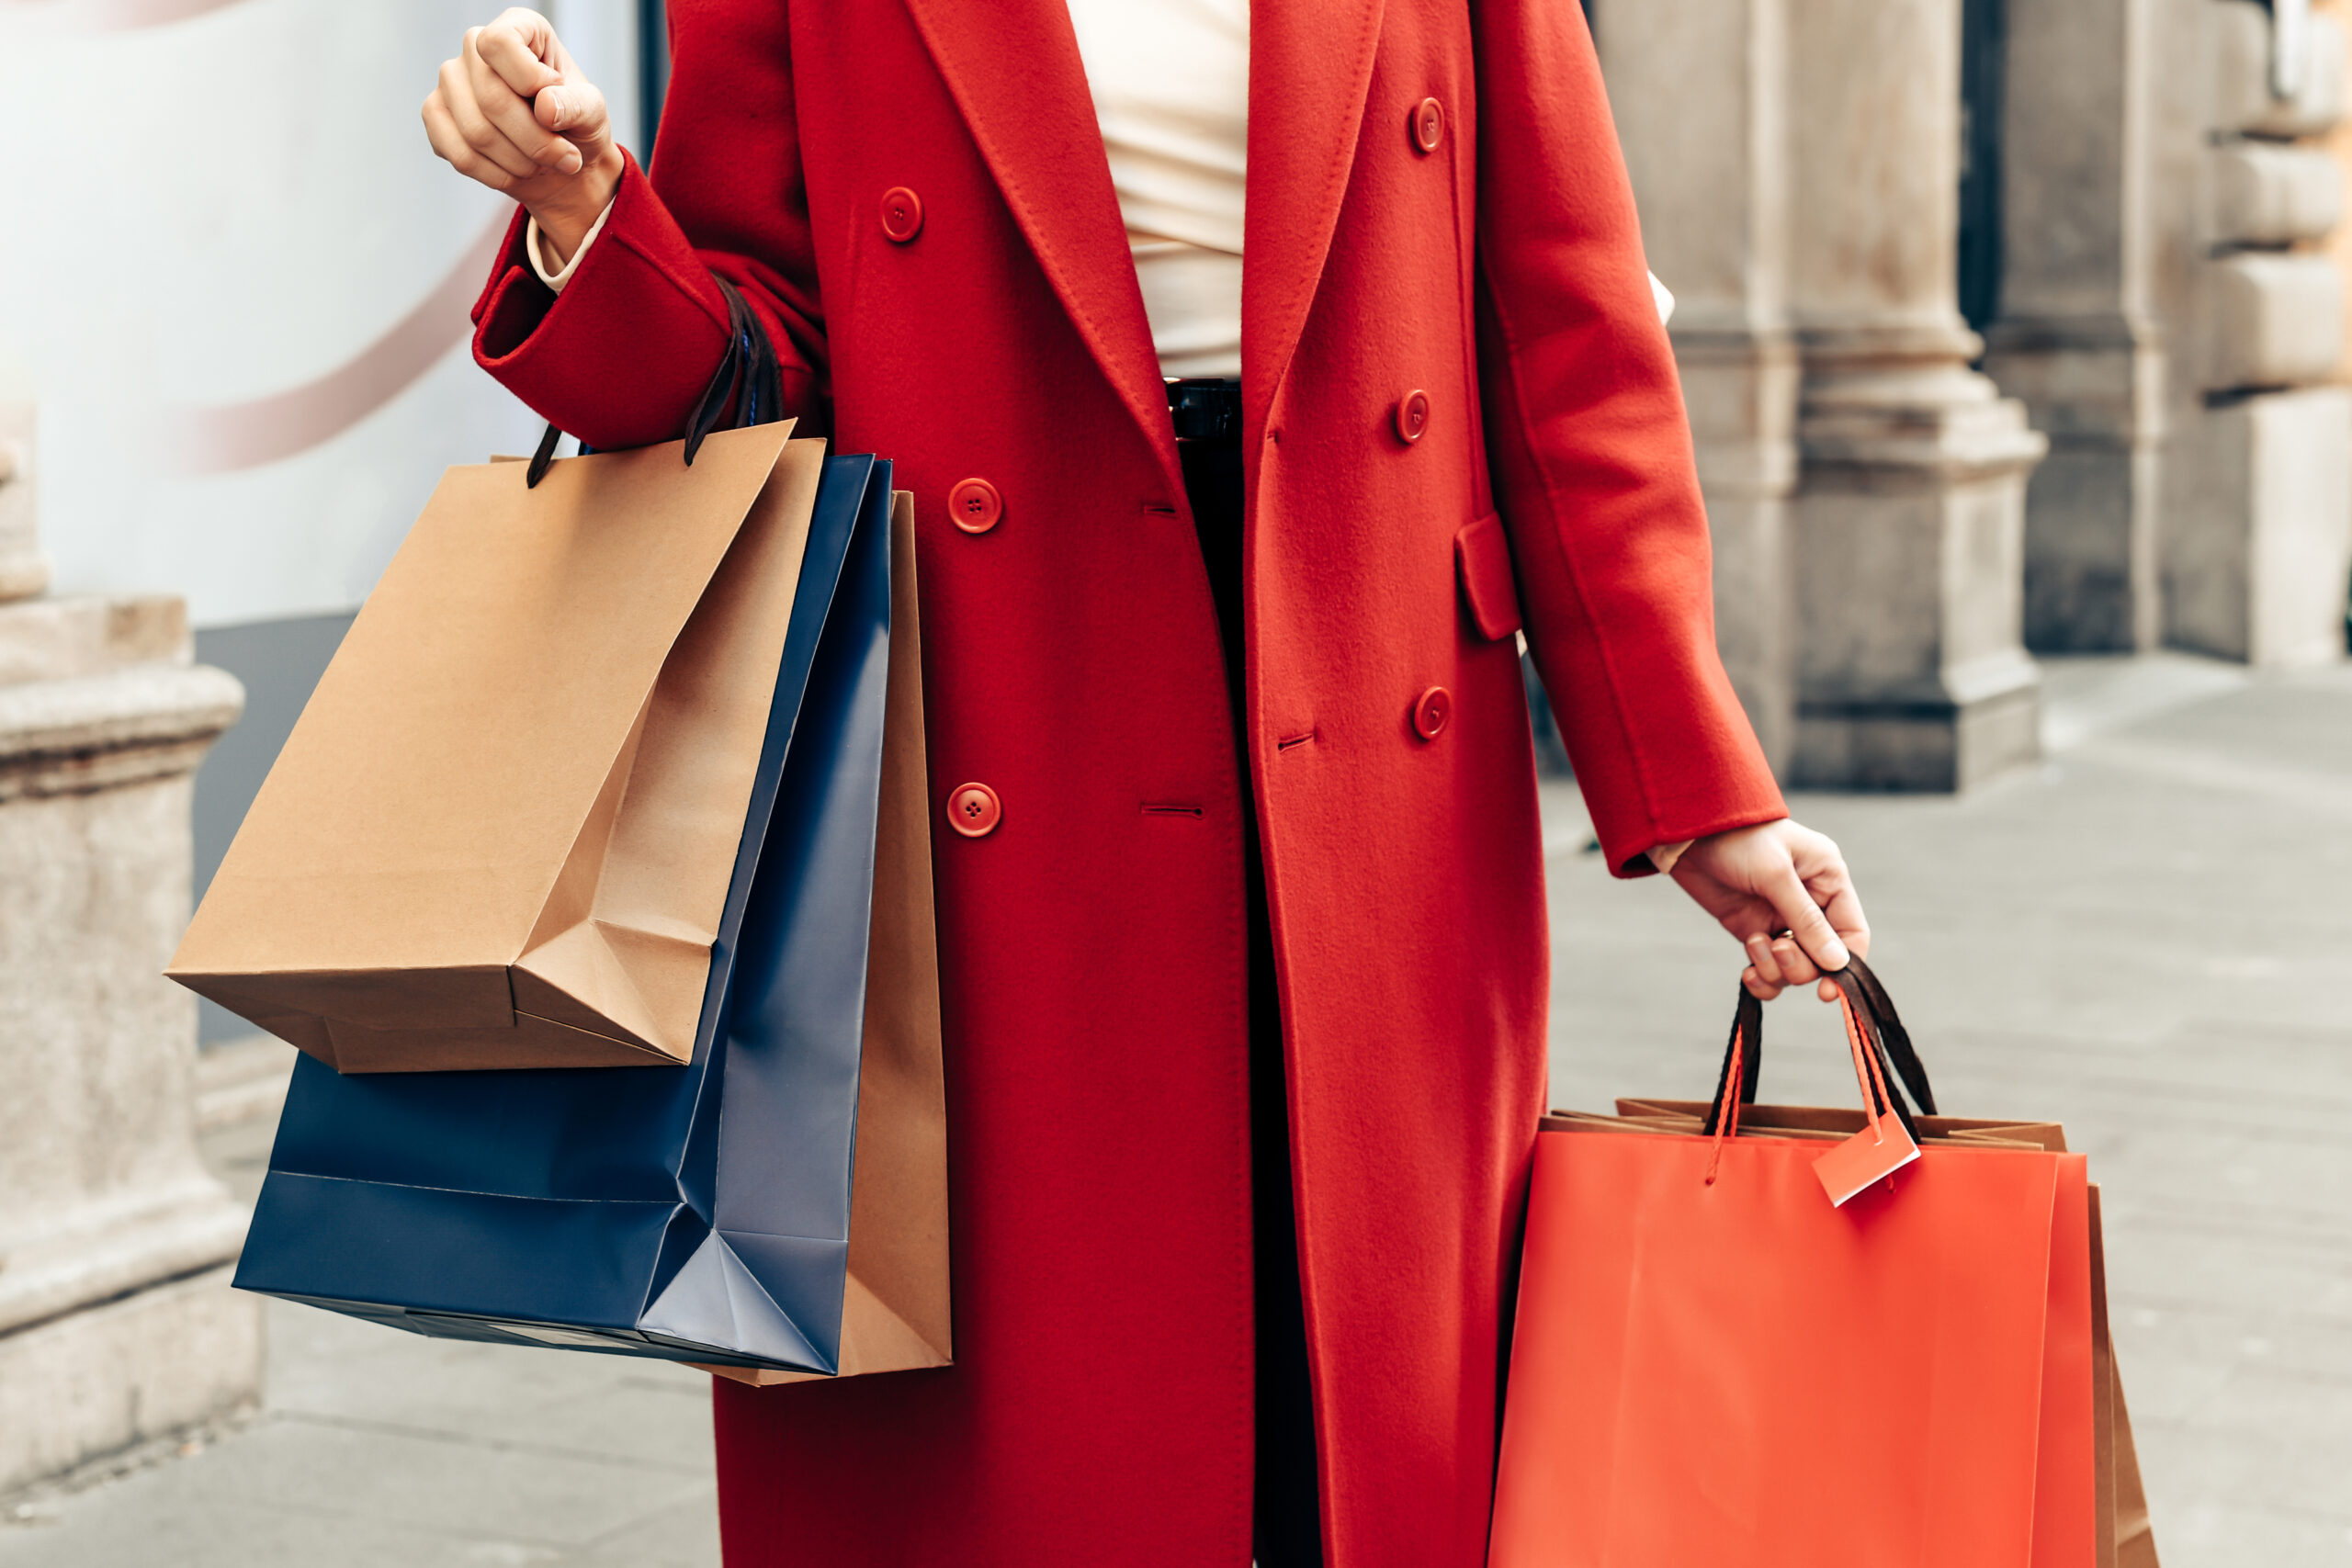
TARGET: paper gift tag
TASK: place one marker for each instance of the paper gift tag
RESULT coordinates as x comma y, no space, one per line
1878,1151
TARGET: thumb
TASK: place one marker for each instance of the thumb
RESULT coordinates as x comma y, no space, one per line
573,109
1803,918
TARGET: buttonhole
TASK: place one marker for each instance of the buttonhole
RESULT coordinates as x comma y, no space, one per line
1151,810
1294,740
1154,510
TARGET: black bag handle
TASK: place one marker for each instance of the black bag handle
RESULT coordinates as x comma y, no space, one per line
1883,1033
749,381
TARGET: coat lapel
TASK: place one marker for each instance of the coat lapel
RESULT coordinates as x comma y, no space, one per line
1014,70
1310,67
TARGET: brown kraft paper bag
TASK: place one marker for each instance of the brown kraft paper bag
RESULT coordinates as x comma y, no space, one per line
2125,1538
502,832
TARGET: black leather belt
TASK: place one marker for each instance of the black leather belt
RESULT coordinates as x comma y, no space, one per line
1205,409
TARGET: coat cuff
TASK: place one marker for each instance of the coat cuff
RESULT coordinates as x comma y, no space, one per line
620,355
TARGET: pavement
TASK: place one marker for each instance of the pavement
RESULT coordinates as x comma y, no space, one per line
2148,937
376,1449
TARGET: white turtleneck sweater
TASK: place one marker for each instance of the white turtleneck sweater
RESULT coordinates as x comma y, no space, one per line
1170,81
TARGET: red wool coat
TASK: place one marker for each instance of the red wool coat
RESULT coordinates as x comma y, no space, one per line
990,325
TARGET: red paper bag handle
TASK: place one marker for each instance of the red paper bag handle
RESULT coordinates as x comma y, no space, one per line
1883,1043
1870,1075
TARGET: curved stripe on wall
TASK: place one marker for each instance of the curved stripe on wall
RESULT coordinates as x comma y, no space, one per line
247,435
123,15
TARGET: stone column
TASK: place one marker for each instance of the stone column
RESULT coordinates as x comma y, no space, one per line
1909,529
1699,89
2338,147
2257,540
117,1322
2077,338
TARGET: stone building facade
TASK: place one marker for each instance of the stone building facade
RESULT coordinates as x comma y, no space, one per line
117,1322
2255,538
2141,447
2338,143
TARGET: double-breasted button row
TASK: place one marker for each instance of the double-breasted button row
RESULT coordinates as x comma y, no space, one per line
901,214
1425,125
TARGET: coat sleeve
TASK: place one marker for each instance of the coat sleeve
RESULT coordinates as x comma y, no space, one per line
1591,455
619,358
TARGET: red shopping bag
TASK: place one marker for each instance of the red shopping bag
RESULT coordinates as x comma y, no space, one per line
1731,1350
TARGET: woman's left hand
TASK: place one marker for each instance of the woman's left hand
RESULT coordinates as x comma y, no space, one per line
1778,877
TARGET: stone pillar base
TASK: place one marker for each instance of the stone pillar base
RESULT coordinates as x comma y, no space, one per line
2095,386
2090,552
1983,722
1910,533
117,1322
138,1367
2257,569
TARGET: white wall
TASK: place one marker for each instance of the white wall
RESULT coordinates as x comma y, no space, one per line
208,204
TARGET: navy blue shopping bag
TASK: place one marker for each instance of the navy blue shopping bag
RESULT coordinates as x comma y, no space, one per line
699,1213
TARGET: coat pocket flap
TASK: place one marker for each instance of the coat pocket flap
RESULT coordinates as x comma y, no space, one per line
1482,556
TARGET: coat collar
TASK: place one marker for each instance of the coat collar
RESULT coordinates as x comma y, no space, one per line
1014,71
1310,67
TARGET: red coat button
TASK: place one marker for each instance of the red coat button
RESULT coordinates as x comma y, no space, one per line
1412,416
901,214
1431,712
1429,124
974,810
975,505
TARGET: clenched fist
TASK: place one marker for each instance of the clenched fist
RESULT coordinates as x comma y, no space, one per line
514,112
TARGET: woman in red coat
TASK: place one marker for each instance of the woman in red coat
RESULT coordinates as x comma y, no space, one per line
1224,565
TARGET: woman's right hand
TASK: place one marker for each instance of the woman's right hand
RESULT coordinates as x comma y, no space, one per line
514,112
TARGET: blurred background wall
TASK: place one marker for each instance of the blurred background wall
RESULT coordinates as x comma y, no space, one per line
2008,328
237,281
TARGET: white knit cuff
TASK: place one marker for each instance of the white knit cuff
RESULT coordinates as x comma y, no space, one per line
556,280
